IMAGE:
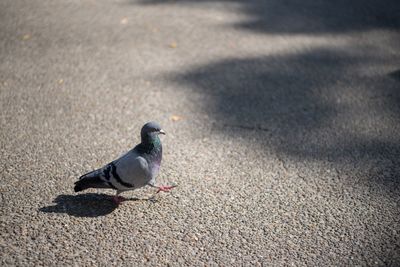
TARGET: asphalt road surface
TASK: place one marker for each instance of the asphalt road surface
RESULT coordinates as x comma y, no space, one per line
282,120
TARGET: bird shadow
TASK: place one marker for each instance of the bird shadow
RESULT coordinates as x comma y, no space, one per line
83,205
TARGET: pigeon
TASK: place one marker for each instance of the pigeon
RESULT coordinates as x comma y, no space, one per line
135,169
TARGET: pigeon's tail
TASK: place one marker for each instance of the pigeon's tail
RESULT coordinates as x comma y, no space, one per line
90,180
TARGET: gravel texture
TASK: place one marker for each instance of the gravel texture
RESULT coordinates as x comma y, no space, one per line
282,120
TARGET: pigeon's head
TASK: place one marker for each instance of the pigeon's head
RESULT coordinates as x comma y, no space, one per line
151,130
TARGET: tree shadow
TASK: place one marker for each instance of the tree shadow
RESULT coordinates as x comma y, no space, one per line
320,105
395,75
308,16
83,205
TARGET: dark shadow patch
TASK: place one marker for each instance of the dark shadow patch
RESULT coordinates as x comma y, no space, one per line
395,75
309,16
83,205
324,105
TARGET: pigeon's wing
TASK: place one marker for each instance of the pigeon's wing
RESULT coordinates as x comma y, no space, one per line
91,179
128,172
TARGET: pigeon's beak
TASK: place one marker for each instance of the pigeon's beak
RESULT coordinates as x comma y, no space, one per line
162,132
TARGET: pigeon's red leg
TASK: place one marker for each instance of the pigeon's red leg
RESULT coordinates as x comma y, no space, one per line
165,188
118,199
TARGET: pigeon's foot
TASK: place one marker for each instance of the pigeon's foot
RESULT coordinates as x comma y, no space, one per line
165,188
118,199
